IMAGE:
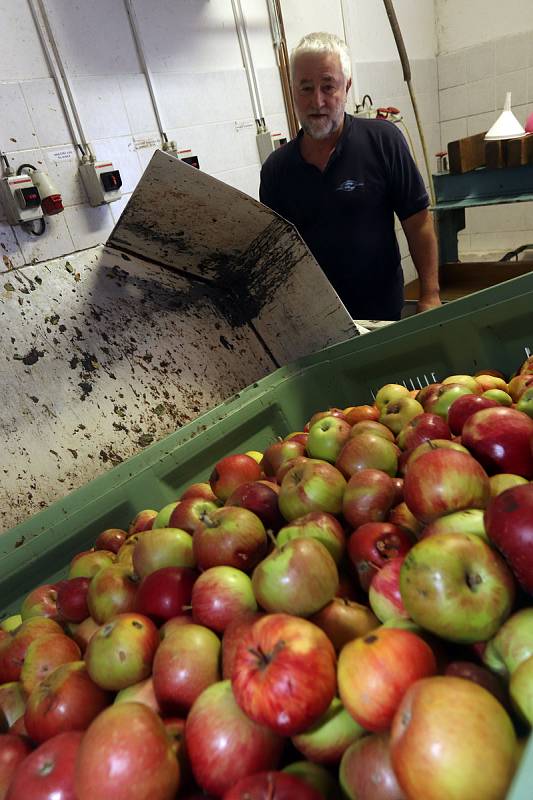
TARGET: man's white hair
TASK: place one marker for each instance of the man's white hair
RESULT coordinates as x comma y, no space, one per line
321,42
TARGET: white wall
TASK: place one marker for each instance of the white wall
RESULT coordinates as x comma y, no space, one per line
372,36
463,24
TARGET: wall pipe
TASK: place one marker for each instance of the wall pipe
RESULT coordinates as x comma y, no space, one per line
64,77
247,61
282,57
69,111
144,65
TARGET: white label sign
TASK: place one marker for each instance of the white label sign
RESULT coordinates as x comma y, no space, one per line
65,154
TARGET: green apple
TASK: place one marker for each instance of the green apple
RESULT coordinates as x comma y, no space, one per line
456,586
470,520
389,393
316,525
112,591
162,547
521,689
396,414
11,623
444,397
504,480
163,515
326,740
464,380
299,578
512,644
525,402
499,396
313,485
327,437
88,563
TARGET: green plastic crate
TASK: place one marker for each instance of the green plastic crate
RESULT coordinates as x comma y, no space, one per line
490,329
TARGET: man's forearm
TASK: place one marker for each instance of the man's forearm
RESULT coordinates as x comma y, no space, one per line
420,234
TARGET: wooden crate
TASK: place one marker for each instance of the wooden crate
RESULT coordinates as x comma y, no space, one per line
462,278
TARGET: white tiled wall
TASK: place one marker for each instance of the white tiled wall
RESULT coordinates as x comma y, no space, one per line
473,82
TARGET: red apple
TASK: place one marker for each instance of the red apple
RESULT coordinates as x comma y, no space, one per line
111,539
372,426
66,700
165,593
279,453
82,633
409,457
463,408
331,412
191,512
375,671
443,398
41,602
142,521
312,486
233,633
224,744
13,750
45,654
401,516
48,772
481,675
142,692
366,772
373,544
230,472
272,786
219,595
13,649
369,496
500,440
260,497
186,663
509,525
72,599
384,593
12,702
422,428
89,562
202,490
284,673
232,537
359,413
126,754
121,652
343,620
450,738
368,451
441,481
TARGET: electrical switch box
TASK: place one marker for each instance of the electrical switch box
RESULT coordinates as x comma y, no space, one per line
102,182
189,158
20,198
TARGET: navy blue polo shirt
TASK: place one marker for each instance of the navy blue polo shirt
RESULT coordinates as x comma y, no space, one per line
346,213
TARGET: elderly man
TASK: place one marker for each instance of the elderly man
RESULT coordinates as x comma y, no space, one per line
341,180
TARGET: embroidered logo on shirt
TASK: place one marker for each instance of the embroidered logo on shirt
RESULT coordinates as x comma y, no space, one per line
350,185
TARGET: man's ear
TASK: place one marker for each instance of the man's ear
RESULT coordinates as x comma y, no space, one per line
348,85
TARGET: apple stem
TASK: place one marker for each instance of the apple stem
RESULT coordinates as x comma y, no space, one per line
270,534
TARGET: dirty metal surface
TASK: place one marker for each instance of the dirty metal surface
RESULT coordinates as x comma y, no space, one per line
191,222
102,355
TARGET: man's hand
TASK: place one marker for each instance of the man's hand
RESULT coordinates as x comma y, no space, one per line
427,301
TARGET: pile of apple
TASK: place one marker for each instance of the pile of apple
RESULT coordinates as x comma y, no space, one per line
347,614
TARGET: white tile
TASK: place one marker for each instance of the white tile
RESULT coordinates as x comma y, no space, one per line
144,154
481,96
506,217
89,226
453,130
408,269
271,92
246,179
94,38
392,78
46,112
451,69
425,78
10,253
56,240
480,61
118,207
21,54
501,241
530,85
16,128
122,153
35,157
277,124
514,82
522,113
220,147
428,106
480,123
512,53
138,103
453,103
101,107
62,164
